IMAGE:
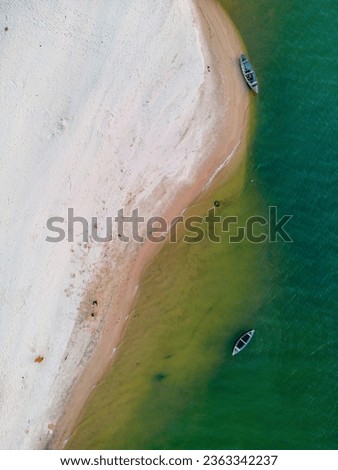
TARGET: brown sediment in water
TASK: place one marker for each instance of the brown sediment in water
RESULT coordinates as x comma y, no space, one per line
111,301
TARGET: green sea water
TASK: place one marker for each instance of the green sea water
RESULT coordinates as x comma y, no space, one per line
174,384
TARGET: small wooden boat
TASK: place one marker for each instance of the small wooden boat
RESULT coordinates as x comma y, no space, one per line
248,73
242,342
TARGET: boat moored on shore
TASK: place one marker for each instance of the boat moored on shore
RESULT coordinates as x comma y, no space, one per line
248,73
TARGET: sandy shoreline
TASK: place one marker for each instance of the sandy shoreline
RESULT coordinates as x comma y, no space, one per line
104,279
221,49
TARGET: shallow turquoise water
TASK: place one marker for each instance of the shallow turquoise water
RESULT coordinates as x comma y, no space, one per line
290,397
174,385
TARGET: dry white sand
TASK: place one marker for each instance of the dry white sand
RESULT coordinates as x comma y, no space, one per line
104,105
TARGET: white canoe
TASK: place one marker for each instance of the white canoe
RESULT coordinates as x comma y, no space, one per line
242,342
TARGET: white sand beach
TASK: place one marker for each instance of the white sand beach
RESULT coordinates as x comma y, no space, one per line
104,105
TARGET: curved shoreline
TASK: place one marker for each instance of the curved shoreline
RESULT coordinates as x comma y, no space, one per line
97,121
221,47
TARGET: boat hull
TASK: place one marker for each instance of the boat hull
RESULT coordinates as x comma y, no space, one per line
248,73
242,342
